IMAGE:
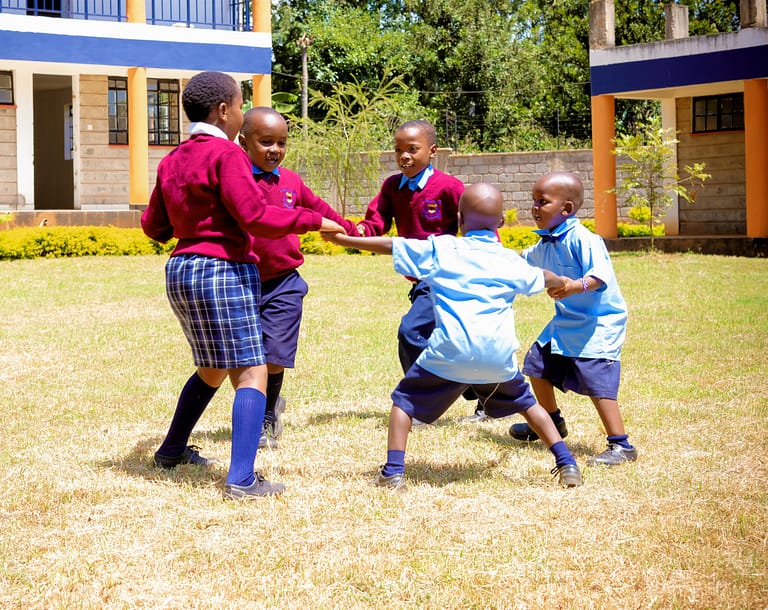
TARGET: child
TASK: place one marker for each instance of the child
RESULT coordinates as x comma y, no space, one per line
206,197
421,201
473,281
580,348
264,136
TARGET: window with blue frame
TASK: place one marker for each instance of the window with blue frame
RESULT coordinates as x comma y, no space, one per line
718,113
162,110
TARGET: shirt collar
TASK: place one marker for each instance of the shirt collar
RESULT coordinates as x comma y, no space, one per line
419,181
210,129
557,233
257,171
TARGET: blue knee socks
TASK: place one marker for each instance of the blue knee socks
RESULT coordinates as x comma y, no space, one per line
395,463
193,400
563,455
247,419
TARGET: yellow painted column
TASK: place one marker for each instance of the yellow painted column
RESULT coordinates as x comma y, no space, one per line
138,140
604,164
262,22
756,155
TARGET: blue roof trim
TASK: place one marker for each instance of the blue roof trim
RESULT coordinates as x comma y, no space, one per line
27,46
662,73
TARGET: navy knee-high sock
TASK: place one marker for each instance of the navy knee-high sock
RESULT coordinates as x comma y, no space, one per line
274,385
395,463
193,400
247,420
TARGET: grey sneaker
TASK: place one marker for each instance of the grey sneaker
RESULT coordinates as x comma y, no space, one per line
477,417
613,456
258,489
267,440
190,455
277,427
417,423
396,482
569,475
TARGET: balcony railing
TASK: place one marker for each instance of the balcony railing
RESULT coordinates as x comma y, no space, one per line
209,14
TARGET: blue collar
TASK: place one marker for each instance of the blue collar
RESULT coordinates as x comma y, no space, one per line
257,171
559,231
419,180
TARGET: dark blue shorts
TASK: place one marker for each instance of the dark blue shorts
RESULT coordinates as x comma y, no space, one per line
280,308
426,396
595,377
215,302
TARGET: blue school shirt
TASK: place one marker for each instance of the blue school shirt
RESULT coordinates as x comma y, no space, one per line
589,325
474,280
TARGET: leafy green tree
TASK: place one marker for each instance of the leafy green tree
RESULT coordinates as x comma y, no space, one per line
649,176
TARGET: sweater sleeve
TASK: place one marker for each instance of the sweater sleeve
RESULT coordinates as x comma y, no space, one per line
380,212
154,220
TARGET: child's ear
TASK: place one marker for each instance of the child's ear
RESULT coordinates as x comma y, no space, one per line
432,151
569,208
241,140
501,223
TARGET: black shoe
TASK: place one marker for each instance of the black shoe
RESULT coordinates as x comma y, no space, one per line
396,482
613,456
523,432
190,455
258,489
570,475
477,417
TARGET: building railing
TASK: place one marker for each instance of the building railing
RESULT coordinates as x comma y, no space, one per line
209,14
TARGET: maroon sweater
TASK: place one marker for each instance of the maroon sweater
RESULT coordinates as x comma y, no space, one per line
206,197
417,214
287,192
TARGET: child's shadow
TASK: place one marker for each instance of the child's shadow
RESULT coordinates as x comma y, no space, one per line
139,461
325,418
578,448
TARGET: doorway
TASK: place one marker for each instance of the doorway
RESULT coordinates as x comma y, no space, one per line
54,170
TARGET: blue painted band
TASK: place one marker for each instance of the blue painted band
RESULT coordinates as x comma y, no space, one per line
737,64
27,46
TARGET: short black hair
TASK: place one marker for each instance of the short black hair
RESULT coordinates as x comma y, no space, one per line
425,126
205,91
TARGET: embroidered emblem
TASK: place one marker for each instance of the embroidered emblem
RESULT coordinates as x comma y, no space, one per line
289,198
432,209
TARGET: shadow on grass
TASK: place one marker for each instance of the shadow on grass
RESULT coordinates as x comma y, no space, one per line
326,418
578,448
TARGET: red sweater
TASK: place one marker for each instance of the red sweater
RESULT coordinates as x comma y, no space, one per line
417,214
206,197
287,192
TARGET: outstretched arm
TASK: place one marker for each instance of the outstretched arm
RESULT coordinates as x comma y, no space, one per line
573,286
379,245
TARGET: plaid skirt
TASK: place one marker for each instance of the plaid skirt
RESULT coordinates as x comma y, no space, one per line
217,303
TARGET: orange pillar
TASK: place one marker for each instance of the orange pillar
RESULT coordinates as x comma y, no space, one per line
138,125
604,164
756,155
262,22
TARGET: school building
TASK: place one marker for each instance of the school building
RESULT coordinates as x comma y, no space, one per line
90,103
90,95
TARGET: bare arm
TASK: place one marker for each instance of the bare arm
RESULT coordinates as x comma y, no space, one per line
573,286
378,245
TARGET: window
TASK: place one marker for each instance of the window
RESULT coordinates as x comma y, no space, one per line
162,111
117,100
6,88
718,113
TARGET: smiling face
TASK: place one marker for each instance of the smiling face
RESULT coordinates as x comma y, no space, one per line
413,150
264,137
551,202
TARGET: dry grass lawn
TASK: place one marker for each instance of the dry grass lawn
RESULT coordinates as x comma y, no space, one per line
92,360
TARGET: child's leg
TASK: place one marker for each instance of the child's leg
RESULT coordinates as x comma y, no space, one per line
193,400
274,386
565,464
619,448
545,395
608,410
397,440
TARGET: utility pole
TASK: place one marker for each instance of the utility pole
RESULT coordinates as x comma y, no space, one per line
304,41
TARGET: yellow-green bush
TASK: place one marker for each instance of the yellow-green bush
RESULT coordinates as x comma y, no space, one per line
52,242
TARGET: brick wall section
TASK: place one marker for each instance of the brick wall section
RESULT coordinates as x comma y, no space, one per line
720,207
9,196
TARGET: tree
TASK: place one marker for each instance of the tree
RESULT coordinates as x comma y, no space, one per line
649,176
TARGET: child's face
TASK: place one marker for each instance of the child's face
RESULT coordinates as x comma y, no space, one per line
550,204
267,141
412,150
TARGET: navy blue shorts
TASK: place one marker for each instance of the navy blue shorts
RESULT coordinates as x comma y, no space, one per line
280,308
216,303
595,377
426,396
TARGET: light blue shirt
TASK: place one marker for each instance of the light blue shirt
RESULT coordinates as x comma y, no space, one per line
419,181
473,280
589,325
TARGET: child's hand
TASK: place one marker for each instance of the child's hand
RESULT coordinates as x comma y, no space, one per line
565,289
330,227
